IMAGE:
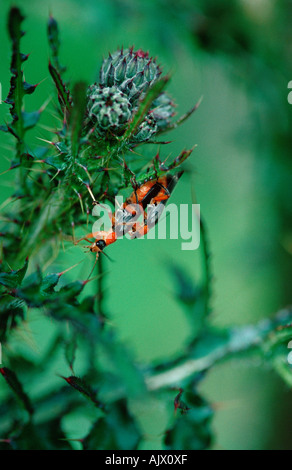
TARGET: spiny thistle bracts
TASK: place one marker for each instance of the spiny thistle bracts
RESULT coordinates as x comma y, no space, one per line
146,130
163,109
108,108
133,72
109,111
125,77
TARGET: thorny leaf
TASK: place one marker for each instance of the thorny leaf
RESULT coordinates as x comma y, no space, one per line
37,437
77,116
16,387
192,428
18,87
54,42
82,387
179,404
11,311
64,95
13,279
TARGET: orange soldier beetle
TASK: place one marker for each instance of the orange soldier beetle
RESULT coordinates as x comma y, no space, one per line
153,194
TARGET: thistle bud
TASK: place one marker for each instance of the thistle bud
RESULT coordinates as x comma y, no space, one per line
163,109
132,72
146,130
125,77
108,109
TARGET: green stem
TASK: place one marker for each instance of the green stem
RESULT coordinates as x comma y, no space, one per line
239,341
100,288
206,269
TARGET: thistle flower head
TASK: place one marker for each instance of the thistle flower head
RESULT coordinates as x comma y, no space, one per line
108,109
125,77
133,72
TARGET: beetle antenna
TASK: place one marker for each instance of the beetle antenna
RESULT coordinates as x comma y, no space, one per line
108,257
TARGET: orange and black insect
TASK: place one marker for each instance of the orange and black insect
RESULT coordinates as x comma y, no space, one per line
153,191
148,199
151,196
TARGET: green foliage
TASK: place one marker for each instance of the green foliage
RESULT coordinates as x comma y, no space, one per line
13,279
24,436
84,154
192,427
16,387
63,92
54,43
115,431
21,121
84,389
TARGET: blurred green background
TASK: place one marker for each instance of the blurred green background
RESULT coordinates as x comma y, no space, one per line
237,55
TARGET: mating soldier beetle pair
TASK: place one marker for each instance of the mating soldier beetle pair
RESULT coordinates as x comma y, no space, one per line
148,199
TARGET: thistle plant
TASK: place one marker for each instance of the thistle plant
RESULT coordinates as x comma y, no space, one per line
133,72
92,150
125,78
